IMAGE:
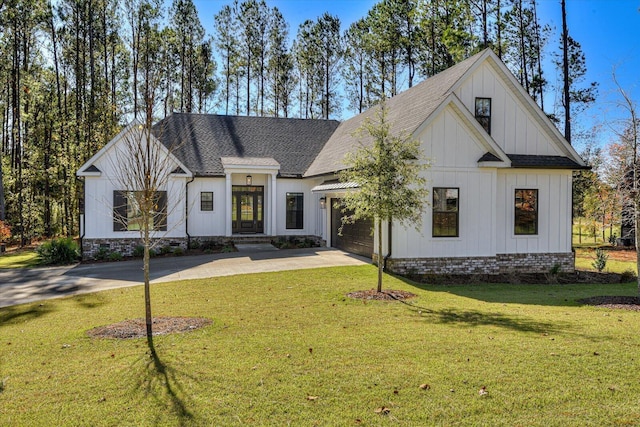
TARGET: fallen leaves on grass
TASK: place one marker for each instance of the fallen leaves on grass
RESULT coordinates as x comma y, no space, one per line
383,410
425,386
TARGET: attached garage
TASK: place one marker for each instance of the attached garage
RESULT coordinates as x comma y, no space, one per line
356,238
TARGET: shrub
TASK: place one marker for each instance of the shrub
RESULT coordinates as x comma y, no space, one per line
152,253
115,256
58,251
628,276
102,254
5,232
178,251
601,260
228,248
165,250
194,244
209,245
138,251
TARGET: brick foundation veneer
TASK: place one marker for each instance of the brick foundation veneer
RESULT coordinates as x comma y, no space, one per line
125,247
501,263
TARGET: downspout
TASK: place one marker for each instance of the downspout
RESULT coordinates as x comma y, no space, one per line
186,211
389,238
84,215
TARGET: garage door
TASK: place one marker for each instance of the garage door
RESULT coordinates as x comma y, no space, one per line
356,238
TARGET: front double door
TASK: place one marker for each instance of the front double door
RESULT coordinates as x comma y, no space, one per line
247,214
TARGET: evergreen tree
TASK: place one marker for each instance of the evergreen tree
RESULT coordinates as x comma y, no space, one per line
387,169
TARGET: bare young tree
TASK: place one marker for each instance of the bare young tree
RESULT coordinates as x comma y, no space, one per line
629,135
148,192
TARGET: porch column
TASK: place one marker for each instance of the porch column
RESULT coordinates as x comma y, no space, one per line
274,209
227,204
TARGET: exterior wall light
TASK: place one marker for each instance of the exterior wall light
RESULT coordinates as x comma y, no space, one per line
249,179
323,202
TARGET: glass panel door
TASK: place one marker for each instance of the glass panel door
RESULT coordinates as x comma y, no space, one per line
247,209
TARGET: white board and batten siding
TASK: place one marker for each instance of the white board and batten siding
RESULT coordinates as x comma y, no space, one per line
554,211
312,225
99,202
207,223
453,152
512,125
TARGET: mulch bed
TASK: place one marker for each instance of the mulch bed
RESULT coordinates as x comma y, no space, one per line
614,302
137,328
385,295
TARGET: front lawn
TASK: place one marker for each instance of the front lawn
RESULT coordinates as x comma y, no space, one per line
290,349
19,259
620,260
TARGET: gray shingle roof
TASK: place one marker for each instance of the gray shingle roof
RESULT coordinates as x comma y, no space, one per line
405,111
200,140
543,162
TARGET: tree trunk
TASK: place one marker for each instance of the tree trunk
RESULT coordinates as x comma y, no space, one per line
565,72
636,214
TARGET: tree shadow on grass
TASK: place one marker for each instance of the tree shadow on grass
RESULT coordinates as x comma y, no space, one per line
92,300
467,318
540,294
23,313
163,383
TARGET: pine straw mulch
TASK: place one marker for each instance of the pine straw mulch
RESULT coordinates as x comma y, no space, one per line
613,302
385,295
137,328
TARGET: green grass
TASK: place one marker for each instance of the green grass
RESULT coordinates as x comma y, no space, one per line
19,259
278,338
589,238
586,256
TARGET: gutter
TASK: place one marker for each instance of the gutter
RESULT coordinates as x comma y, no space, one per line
389,247
186,211
84,214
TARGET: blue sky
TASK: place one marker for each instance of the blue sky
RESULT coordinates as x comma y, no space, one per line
608,30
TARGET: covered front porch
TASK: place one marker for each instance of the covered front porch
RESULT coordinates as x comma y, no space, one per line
250,192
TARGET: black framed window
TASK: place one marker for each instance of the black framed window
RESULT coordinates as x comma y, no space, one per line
206,200
483,113
526,212
295,207
446,210
127,213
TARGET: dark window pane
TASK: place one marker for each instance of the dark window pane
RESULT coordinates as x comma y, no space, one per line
119,211
483,113
127,215
206,201
295,207
526,212
445,212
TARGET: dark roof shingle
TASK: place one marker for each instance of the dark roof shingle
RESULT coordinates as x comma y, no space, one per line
543,162
200,140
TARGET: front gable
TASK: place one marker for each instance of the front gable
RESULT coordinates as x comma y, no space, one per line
452,138
105,162
518,125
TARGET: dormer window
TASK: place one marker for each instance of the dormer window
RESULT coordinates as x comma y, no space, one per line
483,113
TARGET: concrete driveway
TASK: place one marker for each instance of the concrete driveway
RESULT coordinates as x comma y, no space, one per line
19,286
